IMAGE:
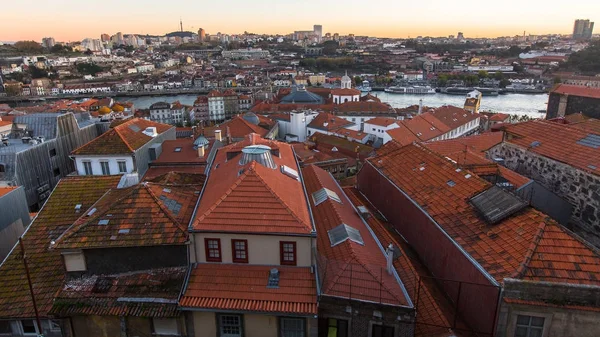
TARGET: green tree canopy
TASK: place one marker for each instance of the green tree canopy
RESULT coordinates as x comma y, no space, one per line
28,47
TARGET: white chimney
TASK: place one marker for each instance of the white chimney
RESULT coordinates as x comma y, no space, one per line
150,131
420,107
200,151
389,258
218,135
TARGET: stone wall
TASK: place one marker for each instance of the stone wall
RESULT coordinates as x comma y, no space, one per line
362,316
564,105
568,310
579,188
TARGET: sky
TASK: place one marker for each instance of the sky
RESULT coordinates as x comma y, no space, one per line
74,20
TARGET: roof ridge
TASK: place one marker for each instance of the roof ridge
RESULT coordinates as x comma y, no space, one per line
294,215
235,184
116,128
520,272
164,209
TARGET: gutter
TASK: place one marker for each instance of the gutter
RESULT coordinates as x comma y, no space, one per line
459,247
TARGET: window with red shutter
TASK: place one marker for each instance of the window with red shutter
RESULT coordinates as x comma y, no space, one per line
213,249
287,253
239,250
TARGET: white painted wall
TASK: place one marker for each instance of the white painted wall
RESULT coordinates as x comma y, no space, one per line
97,169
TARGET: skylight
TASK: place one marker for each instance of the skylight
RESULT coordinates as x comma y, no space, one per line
103,222
177,149
451,183
344,232
590,140
134,128
324,194
496,204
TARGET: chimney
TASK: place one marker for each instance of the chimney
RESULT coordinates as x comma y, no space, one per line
389,258
228,135
420,107
218,135
195,132
201,151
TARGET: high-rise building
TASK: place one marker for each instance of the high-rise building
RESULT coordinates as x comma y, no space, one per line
583,29
201,35
105,38
460,36
318,31
120,39
48,42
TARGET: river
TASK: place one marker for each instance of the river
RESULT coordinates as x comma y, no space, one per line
518,104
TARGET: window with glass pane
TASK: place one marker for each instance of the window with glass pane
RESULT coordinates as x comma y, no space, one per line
292,327
288,253
105,168
28,326
529,326
230,325
332,327
240,250
213,250
122,166
382,331
87,166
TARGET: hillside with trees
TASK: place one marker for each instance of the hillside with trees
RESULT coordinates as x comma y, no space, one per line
586,61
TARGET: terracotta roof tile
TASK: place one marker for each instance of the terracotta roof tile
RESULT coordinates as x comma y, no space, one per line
503,248
238,128
46,266
576,90
123,295
123,138
353,270
328,122
146,214
382,121
556,141
252,197
244,288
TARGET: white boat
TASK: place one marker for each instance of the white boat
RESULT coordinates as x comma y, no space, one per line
365,87
415,90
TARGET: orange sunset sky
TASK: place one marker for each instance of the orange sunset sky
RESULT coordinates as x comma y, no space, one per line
73,20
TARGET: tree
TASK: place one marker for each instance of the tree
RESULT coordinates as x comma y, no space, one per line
12,90
28,47
557,80
483,74
498,76
442,80
504,82
357,80
37,72
88,52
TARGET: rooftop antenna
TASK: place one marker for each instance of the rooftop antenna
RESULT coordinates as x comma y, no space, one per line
181,24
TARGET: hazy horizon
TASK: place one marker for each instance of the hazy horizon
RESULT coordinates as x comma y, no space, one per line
74,20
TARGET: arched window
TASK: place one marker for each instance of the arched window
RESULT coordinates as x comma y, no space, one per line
345,100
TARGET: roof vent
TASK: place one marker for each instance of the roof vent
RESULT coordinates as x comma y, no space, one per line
258,153
363,212
91,212
496,204
150,131
167,190
342,233
451,183
290,172
324,194
273,278
78,208
535,144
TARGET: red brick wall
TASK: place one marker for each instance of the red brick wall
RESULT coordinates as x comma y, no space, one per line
477,303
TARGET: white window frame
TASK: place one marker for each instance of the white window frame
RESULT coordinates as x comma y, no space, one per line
124,163
86,164
107,172
22,331
221,325
73,253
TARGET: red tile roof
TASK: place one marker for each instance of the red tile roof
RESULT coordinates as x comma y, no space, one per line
151,293
353,271
382,121
328,122
556,141
576,90
370,97
244,288
185,155
6,190
238,128
252,197
123,138
146,214
341,144
46,266
434,311
505,249
156,172
477,143
365,107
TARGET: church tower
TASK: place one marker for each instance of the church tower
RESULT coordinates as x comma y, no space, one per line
346,81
